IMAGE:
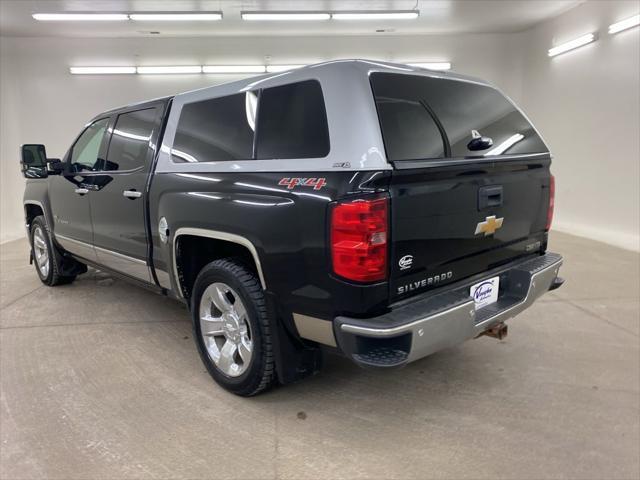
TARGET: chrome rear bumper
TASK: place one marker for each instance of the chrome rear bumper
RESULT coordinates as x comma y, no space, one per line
424,326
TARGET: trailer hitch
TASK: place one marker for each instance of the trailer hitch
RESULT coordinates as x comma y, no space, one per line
498,331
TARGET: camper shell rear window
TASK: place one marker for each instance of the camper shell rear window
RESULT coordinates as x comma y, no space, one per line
434,118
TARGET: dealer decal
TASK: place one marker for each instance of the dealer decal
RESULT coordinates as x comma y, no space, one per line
291,183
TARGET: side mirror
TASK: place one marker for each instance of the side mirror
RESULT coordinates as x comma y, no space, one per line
33,158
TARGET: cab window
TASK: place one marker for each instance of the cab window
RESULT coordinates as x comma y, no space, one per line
129,146
84,154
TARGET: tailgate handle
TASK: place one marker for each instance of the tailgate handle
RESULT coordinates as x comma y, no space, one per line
489,197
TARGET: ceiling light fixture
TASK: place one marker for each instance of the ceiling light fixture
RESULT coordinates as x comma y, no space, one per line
284,16
101,70
282,68
624,24
176,17
432,65
83,17
170,69
571,45
380,15
233,69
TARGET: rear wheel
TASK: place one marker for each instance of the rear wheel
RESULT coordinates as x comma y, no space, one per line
47,258
231,327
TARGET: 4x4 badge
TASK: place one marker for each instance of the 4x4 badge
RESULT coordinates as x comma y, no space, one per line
489,226
291,183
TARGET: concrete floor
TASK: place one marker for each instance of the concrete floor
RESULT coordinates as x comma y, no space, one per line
100,379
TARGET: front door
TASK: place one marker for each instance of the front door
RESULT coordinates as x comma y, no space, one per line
118,201
69,192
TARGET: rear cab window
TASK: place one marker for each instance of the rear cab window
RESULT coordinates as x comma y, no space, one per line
283,122
129,146
425,118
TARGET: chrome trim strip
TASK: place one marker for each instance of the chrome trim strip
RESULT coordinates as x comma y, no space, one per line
73,240
315,329
123,263
229,237
76,247
120,255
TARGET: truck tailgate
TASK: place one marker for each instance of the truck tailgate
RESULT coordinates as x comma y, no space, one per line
442,226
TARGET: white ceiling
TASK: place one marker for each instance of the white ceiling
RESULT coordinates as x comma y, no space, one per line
436,16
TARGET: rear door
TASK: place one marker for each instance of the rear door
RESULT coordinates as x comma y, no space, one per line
470,186
118,201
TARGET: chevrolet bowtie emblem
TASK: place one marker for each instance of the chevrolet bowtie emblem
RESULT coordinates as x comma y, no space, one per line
489,226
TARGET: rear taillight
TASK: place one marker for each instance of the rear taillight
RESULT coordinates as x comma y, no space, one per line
552,200
358,236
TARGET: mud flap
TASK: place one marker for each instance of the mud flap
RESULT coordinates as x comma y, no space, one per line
68,266
294,360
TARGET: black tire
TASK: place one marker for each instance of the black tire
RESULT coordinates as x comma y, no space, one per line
260,373
53,274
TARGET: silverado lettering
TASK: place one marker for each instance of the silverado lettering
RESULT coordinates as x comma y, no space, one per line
410,287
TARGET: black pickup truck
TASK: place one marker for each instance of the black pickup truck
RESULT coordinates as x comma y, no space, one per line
376,210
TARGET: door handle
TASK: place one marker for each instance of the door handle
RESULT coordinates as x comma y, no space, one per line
490,197
81,191
132,194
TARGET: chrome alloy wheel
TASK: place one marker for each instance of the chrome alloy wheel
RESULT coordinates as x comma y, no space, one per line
225,329
41,252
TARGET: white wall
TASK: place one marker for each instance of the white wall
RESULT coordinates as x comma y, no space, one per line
42,103
587,105
11,181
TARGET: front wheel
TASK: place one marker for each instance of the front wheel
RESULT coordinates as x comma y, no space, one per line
231,327
46,257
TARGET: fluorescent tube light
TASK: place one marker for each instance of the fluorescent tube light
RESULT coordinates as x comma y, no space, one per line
170,69
625,24
506,145
84,17
175,17
284,16
433,65
233,69
101,70
281,68
373,15
573,44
